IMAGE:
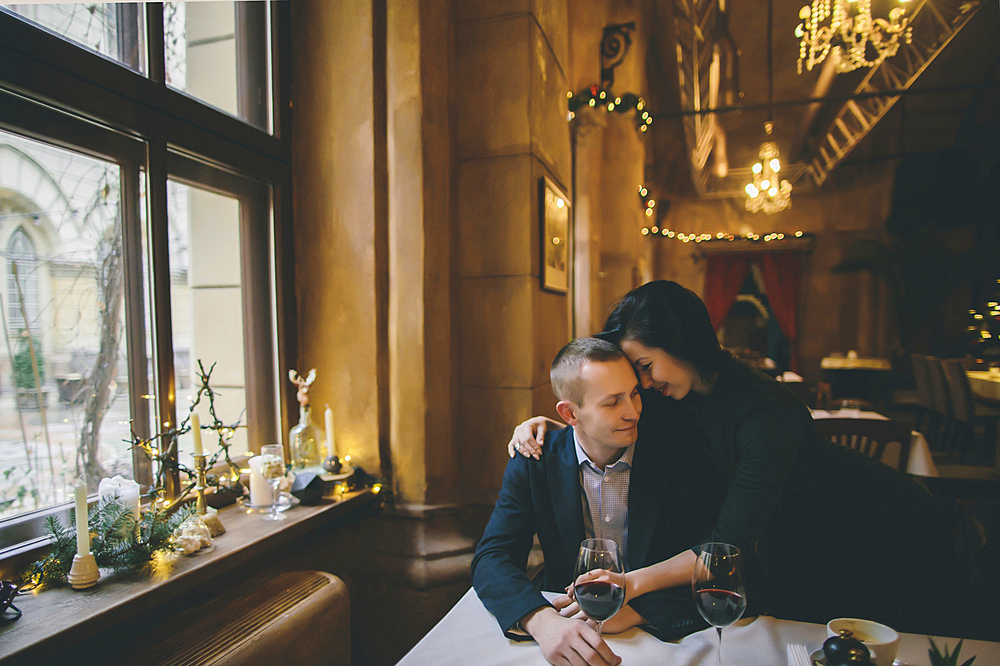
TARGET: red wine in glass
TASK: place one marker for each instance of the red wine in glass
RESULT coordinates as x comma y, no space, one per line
720,607
600,600
717,584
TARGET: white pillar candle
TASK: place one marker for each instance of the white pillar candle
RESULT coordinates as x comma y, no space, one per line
126,490
331,449
82,528
260,489
196,433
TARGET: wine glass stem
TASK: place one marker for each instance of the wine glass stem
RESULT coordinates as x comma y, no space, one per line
275,494
600,626
719,629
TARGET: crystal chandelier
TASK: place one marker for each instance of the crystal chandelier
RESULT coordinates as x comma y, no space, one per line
767,193
852,34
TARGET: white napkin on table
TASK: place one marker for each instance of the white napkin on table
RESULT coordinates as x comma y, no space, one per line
798,655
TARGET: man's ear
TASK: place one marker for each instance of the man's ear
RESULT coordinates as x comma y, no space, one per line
567,410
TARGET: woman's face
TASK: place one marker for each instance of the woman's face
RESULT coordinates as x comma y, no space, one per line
662,372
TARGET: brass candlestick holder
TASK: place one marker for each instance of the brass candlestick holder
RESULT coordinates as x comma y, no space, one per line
210,517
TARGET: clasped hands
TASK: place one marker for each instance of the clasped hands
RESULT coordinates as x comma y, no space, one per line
624,619
566,635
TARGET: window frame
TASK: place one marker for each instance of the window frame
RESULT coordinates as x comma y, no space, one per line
59,92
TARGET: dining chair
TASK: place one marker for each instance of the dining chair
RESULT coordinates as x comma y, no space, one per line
969,416
941,400
816,395
922,376
869,436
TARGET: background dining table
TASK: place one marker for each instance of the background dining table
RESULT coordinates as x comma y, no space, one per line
920,461
985,384
469,634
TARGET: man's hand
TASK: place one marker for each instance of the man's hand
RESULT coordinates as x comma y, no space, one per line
568,642
623,620
567,606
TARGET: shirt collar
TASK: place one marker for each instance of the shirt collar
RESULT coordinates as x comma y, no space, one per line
582,457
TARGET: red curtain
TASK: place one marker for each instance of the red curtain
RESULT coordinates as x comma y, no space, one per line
782,272
724,276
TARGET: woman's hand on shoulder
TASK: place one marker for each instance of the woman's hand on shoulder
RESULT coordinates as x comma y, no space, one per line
529,437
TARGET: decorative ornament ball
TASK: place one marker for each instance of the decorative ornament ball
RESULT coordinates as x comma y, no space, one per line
332,464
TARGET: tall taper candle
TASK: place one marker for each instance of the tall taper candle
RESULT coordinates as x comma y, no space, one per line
331,449
196,433
82,528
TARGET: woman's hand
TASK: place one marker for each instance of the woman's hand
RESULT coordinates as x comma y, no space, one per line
529,437
605,576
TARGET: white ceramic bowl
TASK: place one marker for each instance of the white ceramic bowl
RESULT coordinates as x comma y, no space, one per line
881,641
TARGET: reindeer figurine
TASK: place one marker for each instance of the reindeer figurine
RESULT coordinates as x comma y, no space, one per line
303,383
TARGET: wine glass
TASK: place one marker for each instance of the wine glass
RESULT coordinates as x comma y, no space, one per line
600,600
717,584
272,468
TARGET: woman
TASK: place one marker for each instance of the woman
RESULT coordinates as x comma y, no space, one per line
825,531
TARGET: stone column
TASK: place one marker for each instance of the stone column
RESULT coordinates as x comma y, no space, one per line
511,130
424,452
340,256
588,155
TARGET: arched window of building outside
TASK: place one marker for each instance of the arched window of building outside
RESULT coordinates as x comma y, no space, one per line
21,252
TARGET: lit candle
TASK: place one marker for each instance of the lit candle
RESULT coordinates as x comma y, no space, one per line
82,528
196,433
331,450
125,489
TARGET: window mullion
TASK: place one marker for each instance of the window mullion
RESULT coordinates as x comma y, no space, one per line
154,43
163,345
135,319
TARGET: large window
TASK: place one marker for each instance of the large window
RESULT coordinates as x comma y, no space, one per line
142,186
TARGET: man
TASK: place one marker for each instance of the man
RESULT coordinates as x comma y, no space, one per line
599,478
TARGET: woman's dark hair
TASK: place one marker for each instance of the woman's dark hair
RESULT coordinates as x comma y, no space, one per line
666,315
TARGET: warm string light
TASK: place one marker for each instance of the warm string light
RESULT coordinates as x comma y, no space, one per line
594,97
648,202
725,236
847,28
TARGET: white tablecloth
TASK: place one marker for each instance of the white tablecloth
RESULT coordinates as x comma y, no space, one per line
984,384
920,462
469,635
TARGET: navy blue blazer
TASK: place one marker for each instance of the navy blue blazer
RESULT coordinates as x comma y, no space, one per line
666,513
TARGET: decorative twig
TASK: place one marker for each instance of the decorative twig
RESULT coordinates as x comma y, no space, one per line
167,460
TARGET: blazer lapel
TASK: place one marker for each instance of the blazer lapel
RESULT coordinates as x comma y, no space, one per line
564,486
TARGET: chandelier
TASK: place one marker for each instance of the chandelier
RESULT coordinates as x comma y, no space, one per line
767,192
852,34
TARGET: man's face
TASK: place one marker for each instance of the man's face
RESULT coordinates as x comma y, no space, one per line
611,405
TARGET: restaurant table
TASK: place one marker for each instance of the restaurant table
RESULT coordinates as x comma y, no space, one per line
865,378
840,363
920,461
985,384
469,634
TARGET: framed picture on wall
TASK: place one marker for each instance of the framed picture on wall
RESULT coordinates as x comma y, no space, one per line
555,223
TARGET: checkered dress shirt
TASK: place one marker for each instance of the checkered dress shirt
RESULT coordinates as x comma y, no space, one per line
605,498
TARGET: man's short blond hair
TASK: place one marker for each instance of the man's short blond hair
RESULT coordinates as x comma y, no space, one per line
566,376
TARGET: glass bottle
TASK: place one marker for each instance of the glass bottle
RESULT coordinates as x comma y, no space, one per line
306,440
